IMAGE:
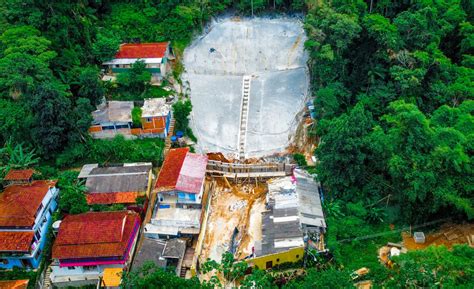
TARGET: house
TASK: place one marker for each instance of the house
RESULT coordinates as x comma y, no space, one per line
25,214
179,188
155,55
163,253
112,119
118,184
14,284
116,118
18,176
89,243
156,118
293,222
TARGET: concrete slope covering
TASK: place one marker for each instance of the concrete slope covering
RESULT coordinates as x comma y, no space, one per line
271,52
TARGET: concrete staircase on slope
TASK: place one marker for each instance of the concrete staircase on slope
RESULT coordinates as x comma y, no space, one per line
182,272
47,279
244,115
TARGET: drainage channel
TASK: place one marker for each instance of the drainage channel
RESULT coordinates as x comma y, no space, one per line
244,115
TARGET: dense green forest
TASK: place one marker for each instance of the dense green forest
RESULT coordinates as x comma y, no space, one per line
393,83
394,96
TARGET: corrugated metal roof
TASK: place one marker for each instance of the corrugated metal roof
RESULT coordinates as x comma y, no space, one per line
118,179
294,206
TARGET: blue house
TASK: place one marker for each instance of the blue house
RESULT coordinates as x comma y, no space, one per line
25,214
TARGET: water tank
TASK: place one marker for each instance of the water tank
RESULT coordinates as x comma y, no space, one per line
56,226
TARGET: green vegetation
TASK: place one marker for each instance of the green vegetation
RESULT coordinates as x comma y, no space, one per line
116,150
181,111
133,83
137,116
14,156
300,159
72,199
394,97
150,276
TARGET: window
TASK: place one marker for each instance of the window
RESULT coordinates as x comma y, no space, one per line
38,254
38,235
39,209
71,268
269,264
4,261
25,263
117,66
89,268
148,119
297,256
278,260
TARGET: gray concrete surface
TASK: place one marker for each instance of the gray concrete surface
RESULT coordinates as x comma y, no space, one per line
271,50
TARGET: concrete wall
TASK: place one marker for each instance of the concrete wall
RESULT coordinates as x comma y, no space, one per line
291,255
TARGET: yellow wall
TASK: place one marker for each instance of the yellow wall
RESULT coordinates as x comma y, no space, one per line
292,255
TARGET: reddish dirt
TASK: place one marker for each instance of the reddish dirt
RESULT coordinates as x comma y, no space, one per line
448,235
218,157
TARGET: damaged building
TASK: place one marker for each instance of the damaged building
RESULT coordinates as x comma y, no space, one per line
293,222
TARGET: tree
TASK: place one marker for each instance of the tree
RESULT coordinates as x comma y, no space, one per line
105,46
258,279
435,266
82,119
52,120
16,156
25,61
72,198
228,269
15,121
90,86
181,111
137,116
135,81
344,152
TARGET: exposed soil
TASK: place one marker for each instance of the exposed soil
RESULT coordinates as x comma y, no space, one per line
238,207
448,235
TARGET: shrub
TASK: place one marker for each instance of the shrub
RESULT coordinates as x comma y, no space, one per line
300,160
137,116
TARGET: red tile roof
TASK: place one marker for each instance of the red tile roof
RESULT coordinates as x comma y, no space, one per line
169,172
95,235
15,241
19,203
142,50
112,198
19,175
14,284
